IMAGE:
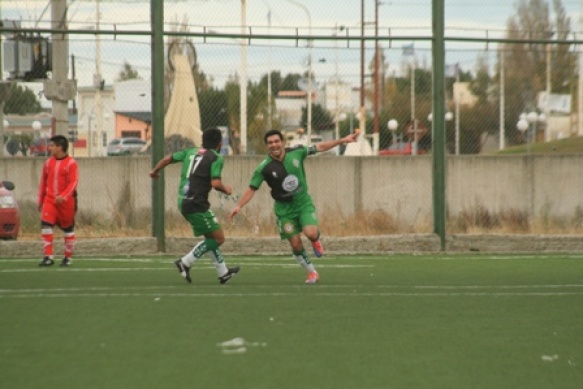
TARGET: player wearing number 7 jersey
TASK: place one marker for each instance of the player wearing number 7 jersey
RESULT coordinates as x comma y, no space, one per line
201,172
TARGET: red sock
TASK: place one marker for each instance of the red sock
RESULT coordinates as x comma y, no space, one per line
69,244
47,237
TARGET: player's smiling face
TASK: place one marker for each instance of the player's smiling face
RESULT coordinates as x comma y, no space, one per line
275,146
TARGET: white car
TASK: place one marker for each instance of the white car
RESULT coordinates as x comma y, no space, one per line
125,146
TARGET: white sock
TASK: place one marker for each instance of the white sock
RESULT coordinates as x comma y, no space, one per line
304,261
219,262
189,259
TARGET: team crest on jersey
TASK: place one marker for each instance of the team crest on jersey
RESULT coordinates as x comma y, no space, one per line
274,174
288,228
290,183
296,163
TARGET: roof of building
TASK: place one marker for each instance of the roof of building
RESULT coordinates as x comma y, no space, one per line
145,117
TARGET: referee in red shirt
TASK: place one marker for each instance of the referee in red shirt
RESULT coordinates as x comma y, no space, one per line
57,199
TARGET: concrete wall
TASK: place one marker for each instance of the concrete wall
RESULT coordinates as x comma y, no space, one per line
372,245
401,186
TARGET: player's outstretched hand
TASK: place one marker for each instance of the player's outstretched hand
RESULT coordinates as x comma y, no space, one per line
234,212
154,174
350,138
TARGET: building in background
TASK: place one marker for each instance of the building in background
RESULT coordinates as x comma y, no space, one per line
88,118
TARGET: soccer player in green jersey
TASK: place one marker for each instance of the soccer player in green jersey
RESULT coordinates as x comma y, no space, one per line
201,172
283,170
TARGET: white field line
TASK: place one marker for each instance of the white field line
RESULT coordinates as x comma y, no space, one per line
414,257
196,266
437,288
320,290
158,296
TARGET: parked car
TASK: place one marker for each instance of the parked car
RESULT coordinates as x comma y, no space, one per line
39,147
404,148
125,146
9,212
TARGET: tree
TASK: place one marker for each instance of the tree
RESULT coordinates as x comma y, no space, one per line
232,90
525,63
19,143
22,101
290,82
276,82
127,73
480,86
321,118
213,108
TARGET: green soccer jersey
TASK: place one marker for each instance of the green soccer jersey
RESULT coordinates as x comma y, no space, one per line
199,167
287,178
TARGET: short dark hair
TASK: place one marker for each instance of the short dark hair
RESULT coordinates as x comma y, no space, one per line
271,133
60,140
211,138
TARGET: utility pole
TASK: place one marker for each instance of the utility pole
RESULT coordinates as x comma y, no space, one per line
362,117
375,135
548,90
502,140
243,81
60,90
269,113
2,146
580,82
97,83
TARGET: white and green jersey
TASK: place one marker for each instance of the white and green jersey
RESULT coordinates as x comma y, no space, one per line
199,167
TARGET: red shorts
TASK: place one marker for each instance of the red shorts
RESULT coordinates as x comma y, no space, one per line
62,215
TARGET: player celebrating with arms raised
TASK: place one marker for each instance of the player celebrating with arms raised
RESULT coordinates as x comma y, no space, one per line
283,170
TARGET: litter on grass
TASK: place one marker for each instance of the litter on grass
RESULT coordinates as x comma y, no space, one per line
238,346
550,358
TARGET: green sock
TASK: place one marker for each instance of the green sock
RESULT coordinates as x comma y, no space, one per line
211,244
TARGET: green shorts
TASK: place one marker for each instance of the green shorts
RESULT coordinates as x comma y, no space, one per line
292,217
202,223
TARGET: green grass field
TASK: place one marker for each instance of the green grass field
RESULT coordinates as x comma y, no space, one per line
431,321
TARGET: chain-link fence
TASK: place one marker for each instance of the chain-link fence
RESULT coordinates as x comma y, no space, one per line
513,137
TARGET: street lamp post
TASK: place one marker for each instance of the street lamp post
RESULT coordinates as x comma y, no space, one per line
5,125
36,125
89,135
309,107
448,117
336,83
527,125
393,124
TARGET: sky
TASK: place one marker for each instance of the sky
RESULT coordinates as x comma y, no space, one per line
221,58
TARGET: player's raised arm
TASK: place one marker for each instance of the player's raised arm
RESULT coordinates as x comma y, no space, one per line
327,145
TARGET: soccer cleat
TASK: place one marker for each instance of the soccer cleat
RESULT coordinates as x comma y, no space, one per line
230,273
66,262
46,262
313,277
318,248
183,270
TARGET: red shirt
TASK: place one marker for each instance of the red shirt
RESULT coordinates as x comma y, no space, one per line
59,178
